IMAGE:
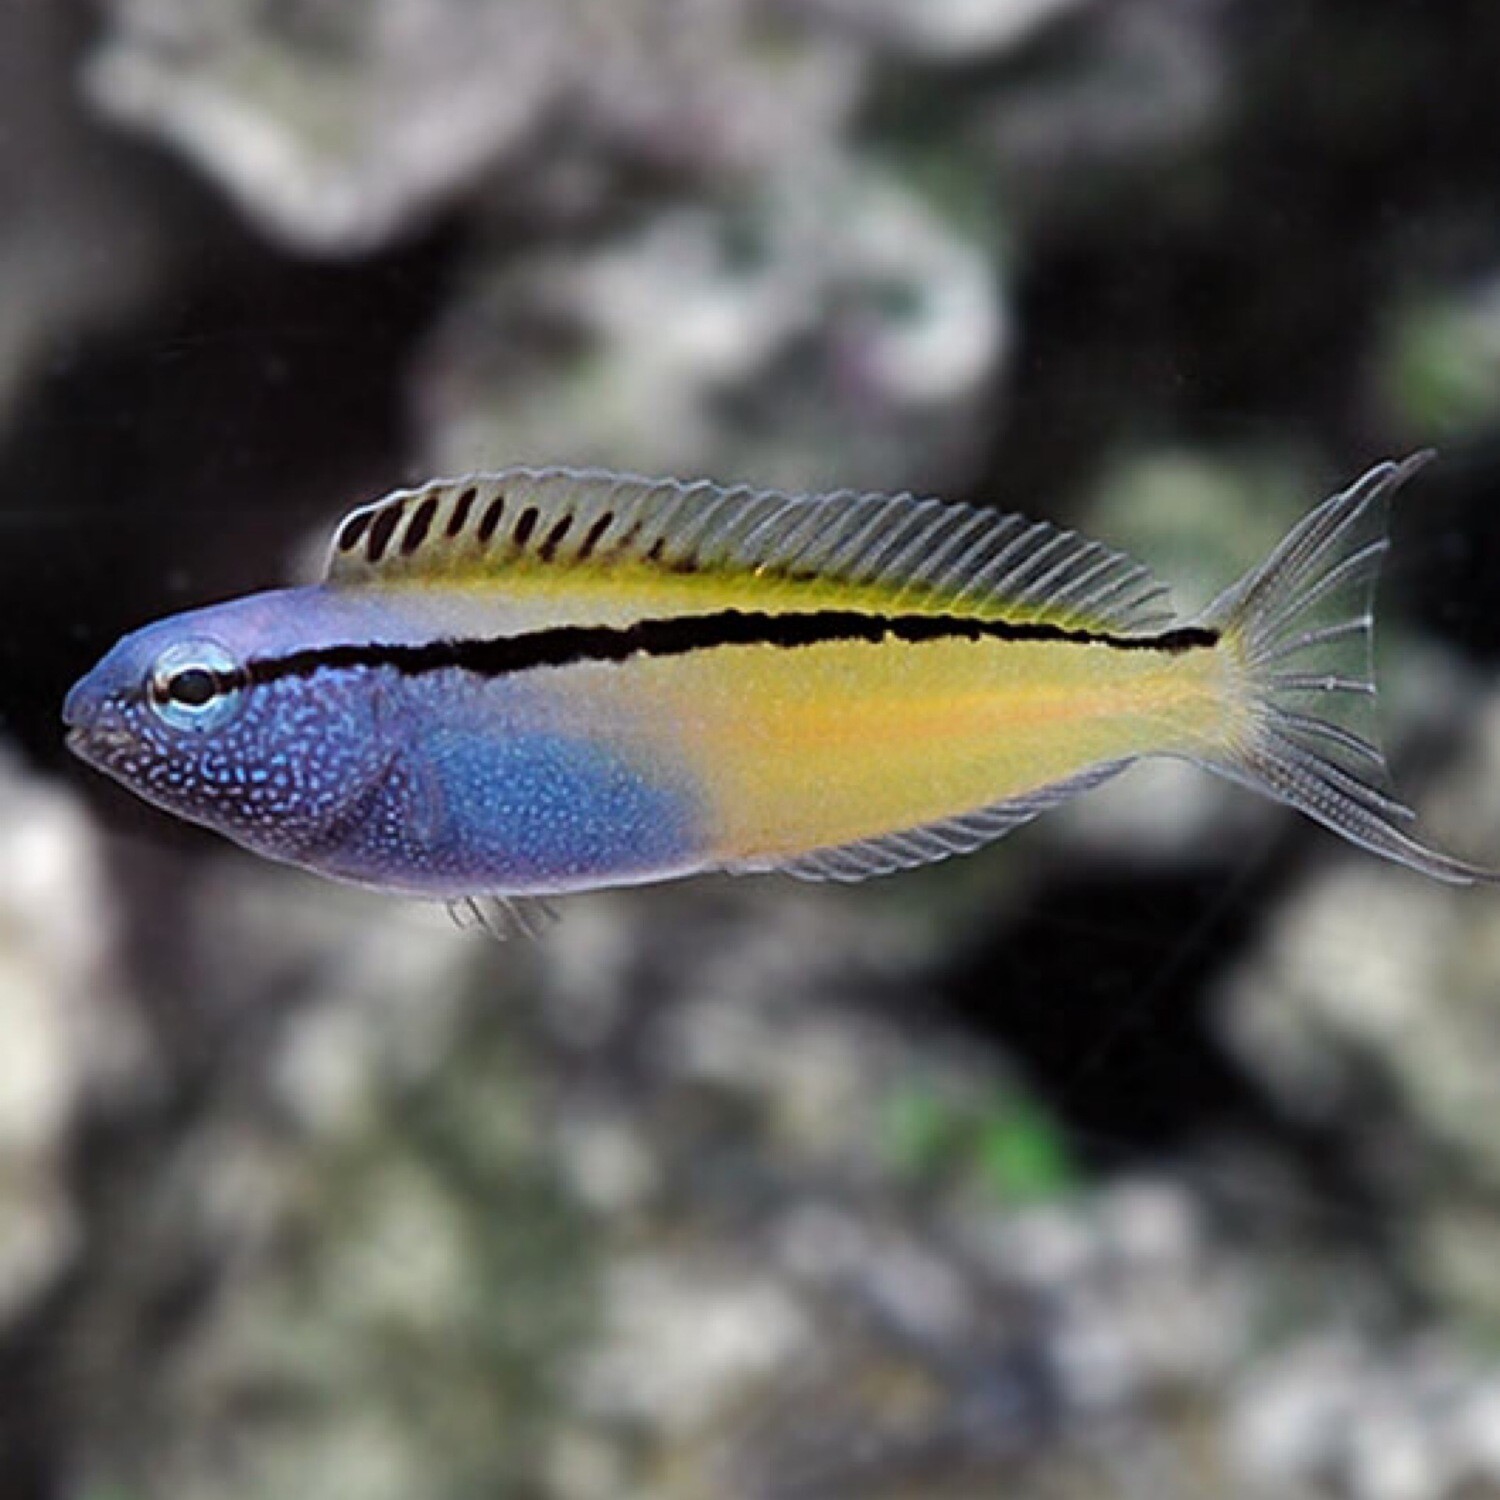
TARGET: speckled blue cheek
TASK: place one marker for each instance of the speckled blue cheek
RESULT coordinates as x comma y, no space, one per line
276,779
541,809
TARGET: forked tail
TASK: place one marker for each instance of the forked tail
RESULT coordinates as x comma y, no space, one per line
1300,628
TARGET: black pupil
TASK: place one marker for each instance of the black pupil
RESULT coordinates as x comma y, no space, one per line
193,687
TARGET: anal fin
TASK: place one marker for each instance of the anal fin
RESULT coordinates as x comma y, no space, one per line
889,852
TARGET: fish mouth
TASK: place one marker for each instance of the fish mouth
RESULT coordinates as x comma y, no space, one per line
99,743
96,728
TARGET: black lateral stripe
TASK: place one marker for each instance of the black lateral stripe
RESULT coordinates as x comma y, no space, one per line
571,645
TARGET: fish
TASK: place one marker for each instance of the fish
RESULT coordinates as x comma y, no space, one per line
512,686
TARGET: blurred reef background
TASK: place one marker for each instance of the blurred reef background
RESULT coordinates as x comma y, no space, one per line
1154,1153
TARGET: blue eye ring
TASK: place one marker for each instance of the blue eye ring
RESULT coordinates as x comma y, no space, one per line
194,685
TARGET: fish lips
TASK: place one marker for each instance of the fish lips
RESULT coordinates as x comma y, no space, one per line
97,732
101,745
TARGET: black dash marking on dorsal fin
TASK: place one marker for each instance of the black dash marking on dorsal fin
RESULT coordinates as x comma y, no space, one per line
525,525
680,635
460,517
905,550
419,525
354,529
595,533
381,531
548,550
623,544
489,522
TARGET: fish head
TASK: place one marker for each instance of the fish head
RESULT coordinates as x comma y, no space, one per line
183,714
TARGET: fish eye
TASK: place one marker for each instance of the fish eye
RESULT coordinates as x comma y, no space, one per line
194,685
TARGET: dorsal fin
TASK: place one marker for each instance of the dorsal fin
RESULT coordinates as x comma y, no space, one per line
891,551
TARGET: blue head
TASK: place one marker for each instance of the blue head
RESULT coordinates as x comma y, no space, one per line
185,715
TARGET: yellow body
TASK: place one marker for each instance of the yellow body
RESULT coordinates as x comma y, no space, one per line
825,745
945,662
794,749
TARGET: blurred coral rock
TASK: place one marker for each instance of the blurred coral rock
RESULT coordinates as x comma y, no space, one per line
338,128
833,329
68,1039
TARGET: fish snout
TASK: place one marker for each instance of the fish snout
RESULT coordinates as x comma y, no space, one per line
96,730
81,704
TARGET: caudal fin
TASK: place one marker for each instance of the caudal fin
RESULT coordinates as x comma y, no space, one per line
1300,628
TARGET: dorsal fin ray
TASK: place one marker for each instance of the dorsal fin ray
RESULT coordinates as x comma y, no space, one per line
922,555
